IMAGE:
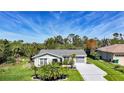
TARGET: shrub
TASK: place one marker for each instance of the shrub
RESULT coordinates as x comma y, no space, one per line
50,72
2,70
35,69
24,60
95,55
63,72
120,69
11,60
65,62
117,66
57,63
71,62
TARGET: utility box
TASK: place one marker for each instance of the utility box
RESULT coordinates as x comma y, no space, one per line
116,61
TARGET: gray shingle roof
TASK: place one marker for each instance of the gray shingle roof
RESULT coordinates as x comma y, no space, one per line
62,52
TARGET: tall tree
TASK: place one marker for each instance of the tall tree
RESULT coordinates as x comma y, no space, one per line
59,39
7,51
121,36
71,38
116,35
50,43
91,46
77,41
17,48
85,38
105,42
1,52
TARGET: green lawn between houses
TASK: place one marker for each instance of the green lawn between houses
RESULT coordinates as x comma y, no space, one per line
112,74
22,72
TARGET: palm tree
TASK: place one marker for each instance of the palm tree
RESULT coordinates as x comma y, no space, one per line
121,36
58,39
72,60
85,38
116,35
77,40
50,43
35,71
105,42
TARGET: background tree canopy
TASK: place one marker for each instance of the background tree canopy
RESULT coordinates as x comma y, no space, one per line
11,51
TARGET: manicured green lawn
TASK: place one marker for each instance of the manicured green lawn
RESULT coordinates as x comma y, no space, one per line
112,74
21,72
74,75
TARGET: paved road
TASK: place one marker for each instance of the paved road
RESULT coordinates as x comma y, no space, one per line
90,72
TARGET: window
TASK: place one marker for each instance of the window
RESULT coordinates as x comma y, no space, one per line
55,60
43,61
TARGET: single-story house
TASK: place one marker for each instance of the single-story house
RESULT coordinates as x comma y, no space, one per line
113,53
46,56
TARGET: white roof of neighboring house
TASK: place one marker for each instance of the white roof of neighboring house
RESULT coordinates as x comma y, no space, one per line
116,48
60,52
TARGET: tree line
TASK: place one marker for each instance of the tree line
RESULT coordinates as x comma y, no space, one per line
73,41
11,51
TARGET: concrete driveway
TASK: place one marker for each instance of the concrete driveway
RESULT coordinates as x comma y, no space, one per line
90,72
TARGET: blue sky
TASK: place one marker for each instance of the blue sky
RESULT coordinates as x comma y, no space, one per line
37,26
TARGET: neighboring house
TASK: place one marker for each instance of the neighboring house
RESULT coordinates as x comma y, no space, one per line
48,56
114,53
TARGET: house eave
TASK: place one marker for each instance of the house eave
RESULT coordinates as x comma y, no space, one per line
111,52
46,54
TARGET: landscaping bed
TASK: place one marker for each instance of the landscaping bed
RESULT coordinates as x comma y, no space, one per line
55,72
20,72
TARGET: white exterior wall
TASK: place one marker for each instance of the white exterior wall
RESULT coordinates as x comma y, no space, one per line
48,57
120,58
36,62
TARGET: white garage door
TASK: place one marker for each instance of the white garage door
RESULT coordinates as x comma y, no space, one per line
79,59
